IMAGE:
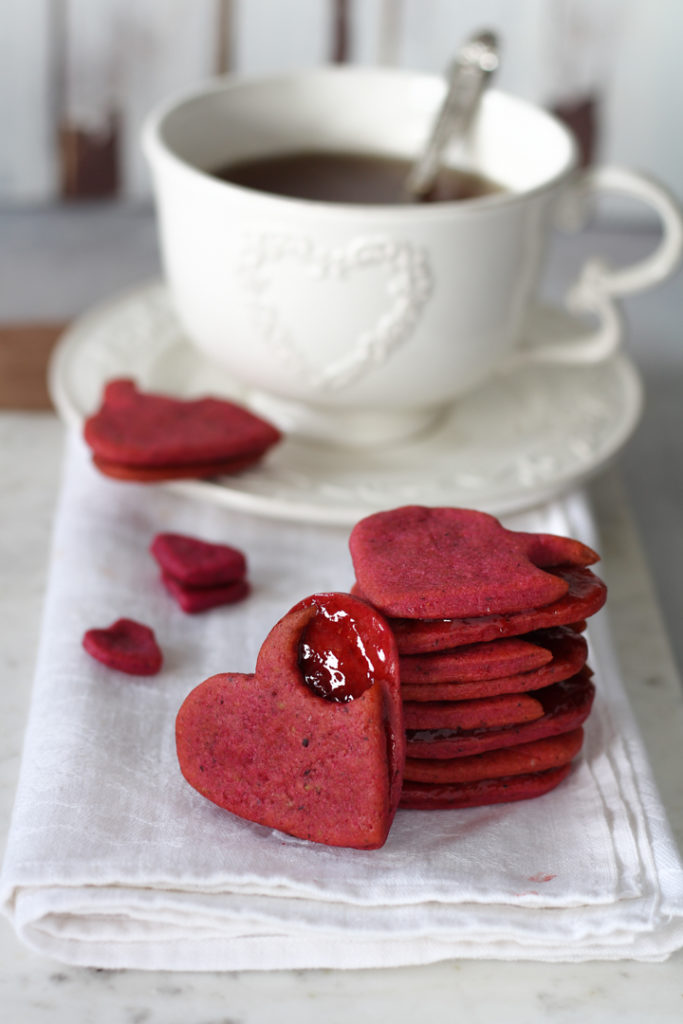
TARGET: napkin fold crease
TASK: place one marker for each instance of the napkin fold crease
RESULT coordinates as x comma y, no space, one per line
114,861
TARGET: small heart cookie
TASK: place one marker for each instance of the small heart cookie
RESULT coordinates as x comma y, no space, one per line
197,563
200,599
313,742
127,646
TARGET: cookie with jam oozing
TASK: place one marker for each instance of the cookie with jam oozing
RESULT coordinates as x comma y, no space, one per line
312,743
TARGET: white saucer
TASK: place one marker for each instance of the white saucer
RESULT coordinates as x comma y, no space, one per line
522,438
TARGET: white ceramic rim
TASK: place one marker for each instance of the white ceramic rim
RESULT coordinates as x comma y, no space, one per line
156,148
234,492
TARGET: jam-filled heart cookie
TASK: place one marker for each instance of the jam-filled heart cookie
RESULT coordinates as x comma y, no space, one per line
475,662
127,646
200,599
466,715
313,742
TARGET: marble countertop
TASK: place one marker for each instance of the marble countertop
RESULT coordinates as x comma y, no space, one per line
34,989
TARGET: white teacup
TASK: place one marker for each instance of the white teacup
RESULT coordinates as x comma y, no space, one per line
361,323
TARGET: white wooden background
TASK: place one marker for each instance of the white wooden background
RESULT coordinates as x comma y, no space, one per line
77,76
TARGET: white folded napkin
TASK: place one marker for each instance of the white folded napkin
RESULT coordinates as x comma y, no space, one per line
113,860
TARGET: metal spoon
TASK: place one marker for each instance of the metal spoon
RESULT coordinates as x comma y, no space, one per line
467,77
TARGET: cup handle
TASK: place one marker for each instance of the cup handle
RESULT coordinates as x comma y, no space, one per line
598,285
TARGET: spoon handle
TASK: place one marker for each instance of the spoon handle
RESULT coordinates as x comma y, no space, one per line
467,77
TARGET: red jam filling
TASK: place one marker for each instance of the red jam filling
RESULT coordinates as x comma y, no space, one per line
339,661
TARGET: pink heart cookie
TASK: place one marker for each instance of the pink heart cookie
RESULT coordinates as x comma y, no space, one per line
586,594
568,651
139,435
200,599
432,563
313,742
127,646
197,563
449,796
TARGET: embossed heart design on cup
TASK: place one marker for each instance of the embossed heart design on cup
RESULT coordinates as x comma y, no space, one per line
406,285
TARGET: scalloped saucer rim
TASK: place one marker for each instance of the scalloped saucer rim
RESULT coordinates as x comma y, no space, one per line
521,439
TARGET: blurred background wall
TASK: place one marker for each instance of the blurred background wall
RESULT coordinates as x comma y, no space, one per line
77,76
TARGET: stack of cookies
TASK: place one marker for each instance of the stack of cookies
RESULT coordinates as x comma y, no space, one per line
488,624
200,574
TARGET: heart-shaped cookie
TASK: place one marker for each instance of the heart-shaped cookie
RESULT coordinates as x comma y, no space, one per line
142,432
313,742
193,600
568,650
482,713
585,596
524,759
449,796
127,646
197,563
474,662
433,563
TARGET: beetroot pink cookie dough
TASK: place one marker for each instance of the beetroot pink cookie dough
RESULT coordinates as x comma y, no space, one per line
200,599
312,743
127,646
446,796
200,574
585,596
566,706
198,563
567,652
147,437
523,759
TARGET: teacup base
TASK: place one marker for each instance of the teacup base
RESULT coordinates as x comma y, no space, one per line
344,428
